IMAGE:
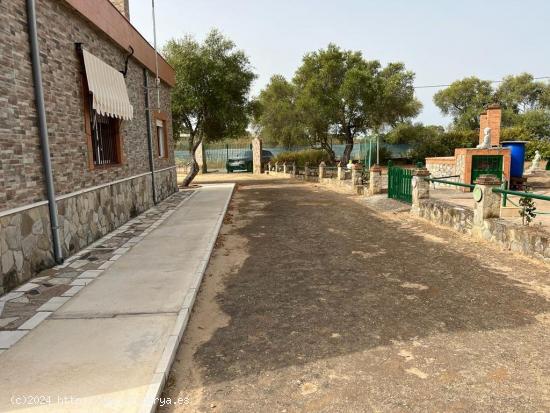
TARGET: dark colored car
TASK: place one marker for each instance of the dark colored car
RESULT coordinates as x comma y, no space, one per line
244,162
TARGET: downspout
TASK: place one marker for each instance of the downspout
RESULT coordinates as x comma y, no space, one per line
43,128
149,134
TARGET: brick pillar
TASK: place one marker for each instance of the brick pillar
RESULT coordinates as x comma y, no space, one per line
375,180
356,173
322,166
487,203
494,115
257,167
340,173
420,187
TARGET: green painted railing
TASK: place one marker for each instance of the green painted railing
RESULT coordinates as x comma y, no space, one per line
521,194
443,181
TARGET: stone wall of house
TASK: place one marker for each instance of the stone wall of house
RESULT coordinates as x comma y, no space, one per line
91,201
59,28
25,236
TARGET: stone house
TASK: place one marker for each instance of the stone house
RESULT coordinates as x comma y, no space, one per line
85,139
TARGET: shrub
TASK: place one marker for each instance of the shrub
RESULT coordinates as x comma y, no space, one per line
312,157
542,145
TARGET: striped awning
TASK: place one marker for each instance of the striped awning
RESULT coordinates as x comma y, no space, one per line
109,93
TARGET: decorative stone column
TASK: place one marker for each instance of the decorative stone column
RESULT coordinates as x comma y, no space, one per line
341,174
322,166
487,203
356,172
284,168
257,156
375,180
420,187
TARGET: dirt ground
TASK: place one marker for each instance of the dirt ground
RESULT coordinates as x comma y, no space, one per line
313,302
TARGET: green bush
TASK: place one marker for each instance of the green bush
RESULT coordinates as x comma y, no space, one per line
312,157
543,146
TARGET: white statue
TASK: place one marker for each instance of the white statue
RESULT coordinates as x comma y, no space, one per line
535,163
486,139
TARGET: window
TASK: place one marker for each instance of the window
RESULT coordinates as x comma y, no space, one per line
105,139
161,138
106,104
161,134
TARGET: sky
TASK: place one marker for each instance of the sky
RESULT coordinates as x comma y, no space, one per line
440,40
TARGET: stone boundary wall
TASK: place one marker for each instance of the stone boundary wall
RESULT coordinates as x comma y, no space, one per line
333,183
509,236
443,213
25,236
442,166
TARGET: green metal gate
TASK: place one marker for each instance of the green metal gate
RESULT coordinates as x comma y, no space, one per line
486,164
399,183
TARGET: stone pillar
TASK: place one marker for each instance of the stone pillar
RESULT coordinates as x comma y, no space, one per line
306,171
341,174
487,203
284,168
200,156
294,169
257,167
420,187
375,180
276,166
322,166
356,172
268,167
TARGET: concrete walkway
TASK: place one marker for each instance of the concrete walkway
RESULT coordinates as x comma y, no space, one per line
109,348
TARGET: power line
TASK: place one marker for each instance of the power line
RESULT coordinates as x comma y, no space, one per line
490,81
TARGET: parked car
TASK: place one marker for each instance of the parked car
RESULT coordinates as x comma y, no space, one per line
244,161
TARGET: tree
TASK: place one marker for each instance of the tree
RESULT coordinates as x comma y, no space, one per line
341,93
277,116
210,97
464,100
520,93
430,140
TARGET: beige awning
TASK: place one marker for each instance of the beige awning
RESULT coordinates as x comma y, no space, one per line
110,96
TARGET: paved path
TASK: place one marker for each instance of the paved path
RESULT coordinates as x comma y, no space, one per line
108,348
314,303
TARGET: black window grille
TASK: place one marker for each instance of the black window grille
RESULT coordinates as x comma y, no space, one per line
105,139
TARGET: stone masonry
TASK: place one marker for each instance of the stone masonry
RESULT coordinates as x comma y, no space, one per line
91,201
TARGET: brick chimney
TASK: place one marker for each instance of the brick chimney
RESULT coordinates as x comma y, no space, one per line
123,6
491,118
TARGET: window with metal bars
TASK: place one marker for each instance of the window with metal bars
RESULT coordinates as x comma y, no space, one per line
105,139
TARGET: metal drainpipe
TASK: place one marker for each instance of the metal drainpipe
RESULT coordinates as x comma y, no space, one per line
43,128
149,134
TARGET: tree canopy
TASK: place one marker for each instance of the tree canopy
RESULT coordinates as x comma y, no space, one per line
525,104
336,93
277,115
210,97
464,100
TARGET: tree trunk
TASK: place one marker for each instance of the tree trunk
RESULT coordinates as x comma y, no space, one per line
330,152
347,152
194,170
